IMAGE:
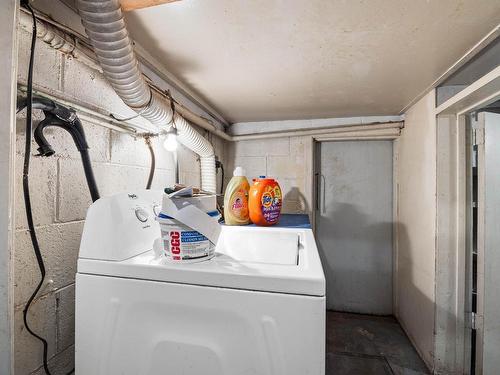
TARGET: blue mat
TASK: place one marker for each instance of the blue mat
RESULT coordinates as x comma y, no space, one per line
291,221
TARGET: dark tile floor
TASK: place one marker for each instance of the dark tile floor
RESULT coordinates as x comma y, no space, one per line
369,345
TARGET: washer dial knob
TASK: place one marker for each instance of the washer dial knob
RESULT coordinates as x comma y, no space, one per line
141,214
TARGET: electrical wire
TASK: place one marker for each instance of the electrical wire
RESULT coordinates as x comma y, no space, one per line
27,197
218,164
153,162
26,191
222,179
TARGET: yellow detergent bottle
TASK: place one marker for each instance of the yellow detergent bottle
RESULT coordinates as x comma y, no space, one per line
236,199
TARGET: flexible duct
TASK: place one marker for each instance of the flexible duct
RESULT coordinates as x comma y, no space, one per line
105,26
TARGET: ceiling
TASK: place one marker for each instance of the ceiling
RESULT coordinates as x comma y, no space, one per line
296,59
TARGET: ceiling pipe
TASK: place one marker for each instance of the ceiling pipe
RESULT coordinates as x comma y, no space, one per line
59,40
323,131
202,122
103,119
105,26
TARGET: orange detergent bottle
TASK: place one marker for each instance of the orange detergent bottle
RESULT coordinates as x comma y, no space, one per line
264,201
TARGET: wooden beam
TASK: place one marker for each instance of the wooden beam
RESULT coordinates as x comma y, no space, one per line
128,5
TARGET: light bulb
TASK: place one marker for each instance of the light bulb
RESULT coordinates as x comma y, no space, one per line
170,143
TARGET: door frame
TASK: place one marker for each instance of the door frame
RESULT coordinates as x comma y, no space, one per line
485,233
452,322
8,84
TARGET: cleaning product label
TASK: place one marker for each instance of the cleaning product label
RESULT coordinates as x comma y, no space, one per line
189,228
239,204
271,203
187,244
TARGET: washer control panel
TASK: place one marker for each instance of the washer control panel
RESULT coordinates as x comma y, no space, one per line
121,226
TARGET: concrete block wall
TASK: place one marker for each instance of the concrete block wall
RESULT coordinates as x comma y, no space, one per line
287,159
60,199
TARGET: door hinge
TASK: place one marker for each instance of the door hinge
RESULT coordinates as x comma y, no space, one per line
478,137
476,321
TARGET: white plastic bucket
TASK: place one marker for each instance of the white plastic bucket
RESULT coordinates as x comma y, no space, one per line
181,243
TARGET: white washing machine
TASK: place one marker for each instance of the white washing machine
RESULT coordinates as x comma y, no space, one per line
257,307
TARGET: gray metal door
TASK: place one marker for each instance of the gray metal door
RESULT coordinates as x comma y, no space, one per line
354,219
488,249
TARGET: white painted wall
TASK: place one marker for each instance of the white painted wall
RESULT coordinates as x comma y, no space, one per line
416,226
60,199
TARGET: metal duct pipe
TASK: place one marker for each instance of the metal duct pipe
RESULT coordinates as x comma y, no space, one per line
105,26
58,40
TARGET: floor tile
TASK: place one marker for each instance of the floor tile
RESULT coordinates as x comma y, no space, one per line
373,337
346,364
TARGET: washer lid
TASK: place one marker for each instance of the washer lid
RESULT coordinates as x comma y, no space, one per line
260,259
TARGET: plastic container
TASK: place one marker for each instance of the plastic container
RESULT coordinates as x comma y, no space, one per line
181,243
265,201
236,199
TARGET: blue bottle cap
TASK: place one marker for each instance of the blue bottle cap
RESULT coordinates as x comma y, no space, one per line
262,176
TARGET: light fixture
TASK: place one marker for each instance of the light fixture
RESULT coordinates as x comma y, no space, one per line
170,143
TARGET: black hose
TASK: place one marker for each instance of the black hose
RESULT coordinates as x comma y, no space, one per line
37,102
89,174
218,164
26,192
222,181
176,166
67,120
153,163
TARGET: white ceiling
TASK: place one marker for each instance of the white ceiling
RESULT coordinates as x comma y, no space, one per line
295,59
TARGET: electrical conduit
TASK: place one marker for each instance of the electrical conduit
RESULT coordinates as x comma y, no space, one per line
105,26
